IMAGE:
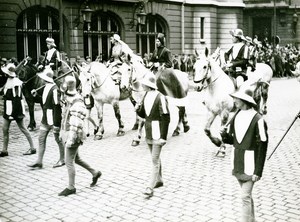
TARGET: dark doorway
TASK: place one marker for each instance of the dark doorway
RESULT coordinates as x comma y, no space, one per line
262,27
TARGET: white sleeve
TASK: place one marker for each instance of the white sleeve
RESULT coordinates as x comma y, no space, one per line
262,130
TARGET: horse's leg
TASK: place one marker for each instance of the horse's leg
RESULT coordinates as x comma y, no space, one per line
99,134
185,123
116,107
264,98
137,119
32,124
136,141
224,119
211,117
182,118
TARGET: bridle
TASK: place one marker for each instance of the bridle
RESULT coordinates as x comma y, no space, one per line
208,80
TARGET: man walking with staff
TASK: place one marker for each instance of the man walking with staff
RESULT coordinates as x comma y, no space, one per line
51,119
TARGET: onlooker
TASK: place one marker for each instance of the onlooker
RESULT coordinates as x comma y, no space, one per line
176,62
14,108
248,134
157,118
73,129
51,119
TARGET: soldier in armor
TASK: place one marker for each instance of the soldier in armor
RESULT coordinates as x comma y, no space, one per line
237,57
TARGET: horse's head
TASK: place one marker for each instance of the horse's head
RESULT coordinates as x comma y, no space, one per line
260,93
86,81
261,96
25,69
202,70
92,76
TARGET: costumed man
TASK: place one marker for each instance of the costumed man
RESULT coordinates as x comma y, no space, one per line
248,133
155,110
237,57
51,119
166,79
253,54
52,57
73,135
14,108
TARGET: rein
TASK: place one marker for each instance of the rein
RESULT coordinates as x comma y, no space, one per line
101,83
206,74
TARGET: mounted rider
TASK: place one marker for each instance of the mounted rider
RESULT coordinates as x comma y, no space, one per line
52,57
237,57
167,81
253,53
119,63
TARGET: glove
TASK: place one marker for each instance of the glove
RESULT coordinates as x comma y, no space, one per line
33,92
40,68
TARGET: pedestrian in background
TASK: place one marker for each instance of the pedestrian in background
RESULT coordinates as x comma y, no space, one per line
51,119
74,115
14,108
248,134
157,118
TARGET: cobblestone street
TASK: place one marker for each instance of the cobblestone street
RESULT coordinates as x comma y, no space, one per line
197,185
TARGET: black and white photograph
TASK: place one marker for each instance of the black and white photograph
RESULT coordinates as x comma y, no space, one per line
149,110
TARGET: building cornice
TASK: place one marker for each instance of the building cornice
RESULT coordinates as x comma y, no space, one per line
195,2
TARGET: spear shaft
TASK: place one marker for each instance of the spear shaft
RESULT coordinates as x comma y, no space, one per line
297,116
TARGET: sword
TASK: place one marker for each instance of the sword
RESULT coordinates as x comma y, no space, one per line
297,116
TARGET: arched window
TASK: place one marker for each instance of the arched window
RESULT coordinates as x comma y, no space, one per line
146,34
97,39
34,25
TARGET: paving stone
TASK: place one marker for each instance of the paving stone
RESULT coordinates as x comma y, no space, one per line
198,186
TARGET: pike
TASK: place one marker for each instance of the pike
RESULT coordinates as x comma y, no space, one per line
57,78
297,116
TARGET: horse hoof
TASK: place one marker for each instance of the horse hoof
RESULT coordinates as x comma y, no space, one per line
175,133
96,130
135,127
135,143
221,154
186,128
121,133
207,132
31,129
98,137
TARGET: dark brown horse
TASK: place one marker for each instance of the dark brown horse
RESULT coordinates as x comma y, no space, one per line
26,72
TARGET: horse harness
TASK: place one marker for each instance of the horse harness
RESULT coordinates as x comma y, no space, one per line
207,79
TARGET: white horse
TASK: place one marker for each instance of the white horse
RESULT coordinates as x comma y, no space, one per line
96,80
218,86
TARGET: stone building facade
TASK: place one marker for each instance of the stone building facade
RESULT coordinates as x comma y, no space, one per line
187,24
